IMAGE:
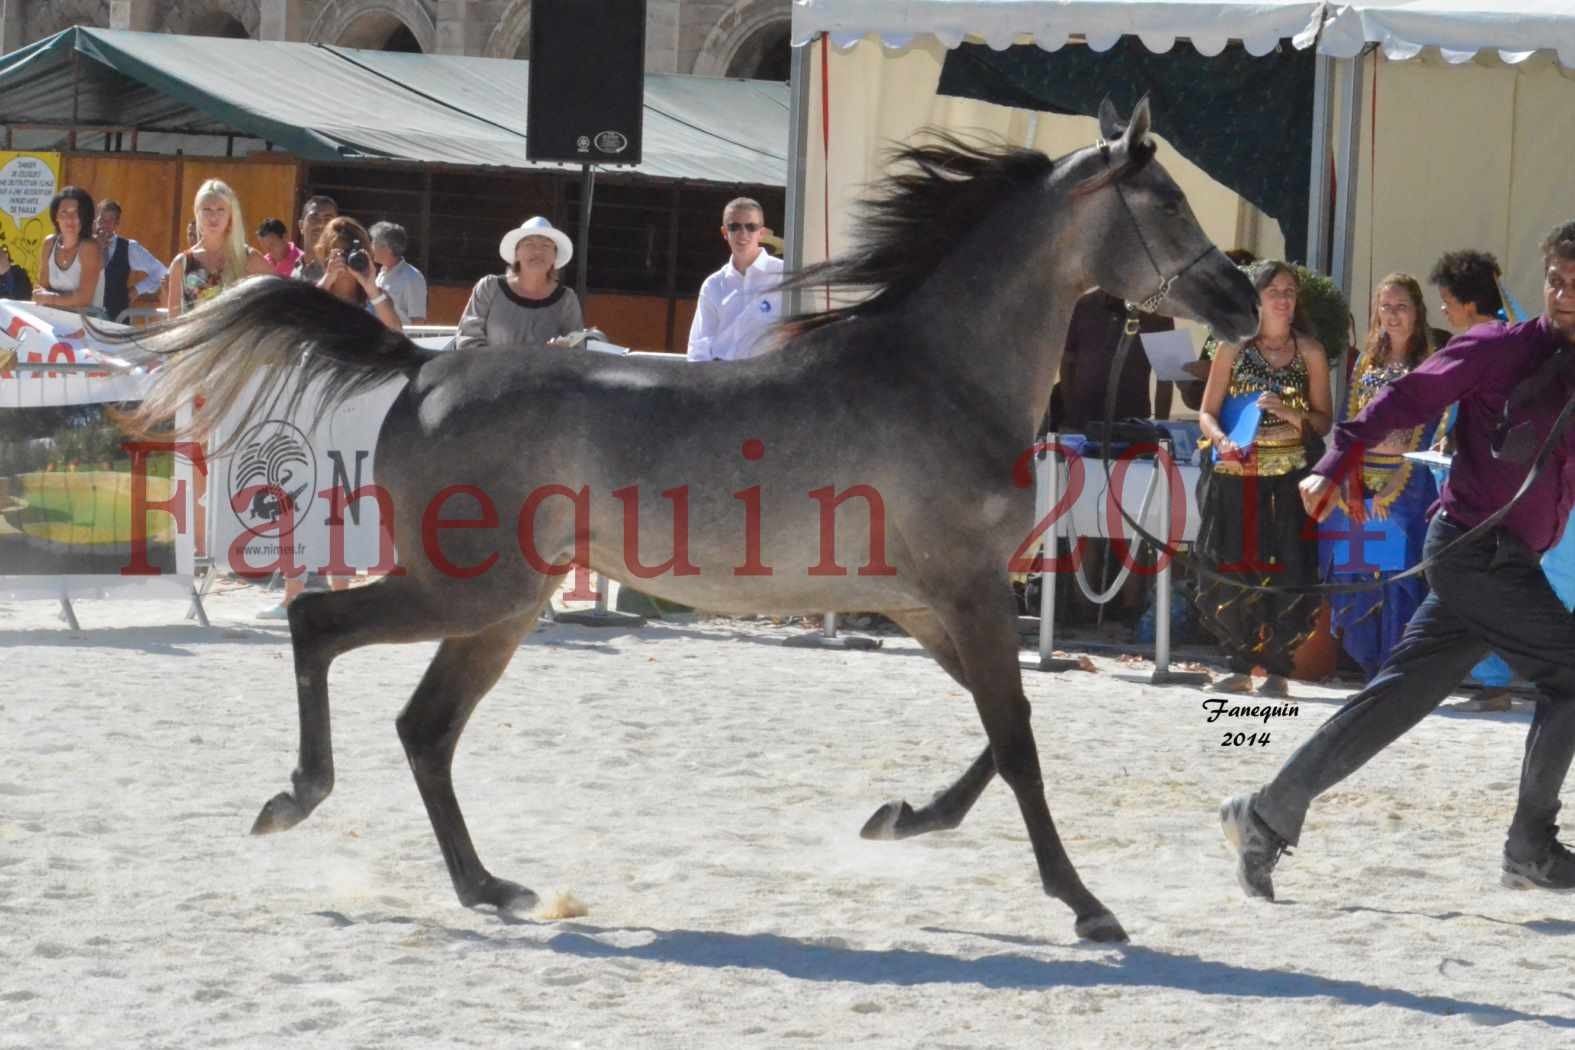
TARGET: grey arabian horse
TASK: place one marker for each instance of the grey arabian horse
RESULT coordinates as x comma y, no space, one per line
866,465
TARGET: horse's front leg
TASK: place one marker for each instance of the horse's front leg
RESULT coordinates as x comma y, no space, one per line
323,626
899,820
984,631
430,727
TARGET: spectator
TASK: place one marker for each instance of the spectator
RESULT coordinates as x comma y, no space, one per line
71,261
1078,398
740,303
221,257
528,305
1396,493
1280,378
347,270
127,264
316,213
281,252
14,282
403,283
1467,282
1488,593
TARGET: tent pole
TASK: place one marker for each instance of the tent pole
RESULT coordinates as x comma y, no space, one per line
1342,271
798,153
1318,201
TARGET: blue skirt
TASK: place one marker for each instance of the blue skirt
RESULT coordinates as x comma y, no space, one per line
1369,623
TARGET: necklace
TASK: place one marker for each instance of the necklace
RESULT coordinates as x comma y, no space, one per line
64,256
1264,347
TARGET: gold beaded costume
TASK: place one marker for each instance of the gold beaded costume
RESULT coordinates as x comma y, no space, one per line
1254,528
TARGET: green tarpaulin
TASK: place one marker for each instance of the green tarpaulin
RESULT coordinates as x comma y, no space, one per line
326,103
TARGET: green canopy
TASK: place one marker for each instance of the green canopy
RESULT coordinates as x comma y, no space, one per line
325,103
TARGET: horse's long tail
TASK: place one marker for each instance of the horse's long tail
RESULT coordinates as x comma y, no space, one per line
283,334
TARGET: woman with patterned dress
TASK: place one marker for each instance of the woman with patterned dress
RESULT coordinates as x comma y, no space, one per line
1262,398
221,257
1396,492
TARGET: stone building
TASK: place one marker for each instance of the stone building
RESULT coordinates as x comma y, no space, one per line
734,38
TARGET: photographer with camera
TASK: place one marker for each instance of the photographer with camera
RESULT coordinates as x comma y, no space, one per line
221,257
345,248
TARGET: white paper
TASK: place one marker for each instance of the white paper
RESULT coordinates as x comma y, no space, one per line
1167,353
1430,457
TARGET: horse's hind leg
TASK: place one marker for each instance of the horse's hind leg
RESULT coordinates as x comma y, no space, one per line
430,727
322,627
982,625
899,820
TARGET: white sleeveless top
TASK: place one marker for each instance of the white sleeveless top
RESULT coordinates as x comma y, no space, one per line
70,278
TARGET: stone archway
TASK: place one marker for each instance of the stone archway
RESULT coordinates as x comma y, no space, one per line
511,36
375,25
218,23
235,19
744,40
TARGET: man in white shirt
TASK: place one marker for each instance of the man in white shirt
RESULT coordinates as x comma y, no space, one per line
127,264
405,286
740,303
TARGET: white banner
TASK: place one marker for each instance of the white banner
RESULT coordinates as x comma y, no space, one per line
42,335
81,514
282,496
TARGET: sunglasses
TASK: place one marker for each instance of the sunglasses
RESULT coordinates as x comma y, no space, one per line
744,227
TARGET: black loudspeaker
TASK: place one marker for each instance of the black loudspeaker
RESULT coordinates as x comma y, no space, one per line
587,81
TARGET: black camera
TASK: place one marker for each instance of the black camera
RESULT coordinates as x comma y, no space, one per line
357,259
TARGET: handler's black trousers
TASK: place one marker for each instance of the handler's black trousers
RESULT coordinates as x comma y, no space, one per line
1488,594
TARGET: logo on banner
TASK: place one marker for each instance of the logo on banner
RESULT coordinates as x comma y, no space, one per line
276,469
611,141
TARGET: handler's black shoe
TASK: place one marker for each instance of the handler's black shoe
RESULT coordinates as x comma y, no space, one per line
1550,868
1257,847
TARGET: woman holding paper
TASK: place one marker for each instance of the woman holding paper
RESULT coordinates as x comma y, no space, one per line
1262,399
1395,492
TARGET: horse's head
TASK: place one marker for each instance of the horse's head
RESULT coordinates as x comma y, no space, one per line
1143,242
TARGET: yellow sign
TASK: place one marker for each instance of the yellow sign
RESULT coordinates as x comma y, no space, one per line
27,182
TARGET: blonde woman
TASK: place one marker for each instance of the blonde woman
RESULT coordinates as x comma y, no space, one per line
221,257
1395,493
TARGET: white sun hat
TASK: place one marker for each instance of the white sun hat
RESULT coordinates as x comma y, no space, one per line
536,226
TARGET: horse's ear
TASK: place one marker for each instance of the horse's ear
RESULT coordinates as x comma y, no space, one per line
1109,121
1137,127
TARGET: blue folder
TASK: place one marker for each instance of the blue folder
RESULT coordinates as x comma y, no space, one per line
1239,418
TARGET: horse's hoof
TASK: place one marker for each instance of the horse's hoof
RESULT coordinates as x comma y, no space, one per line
889,822
1101,926
281,813
502,895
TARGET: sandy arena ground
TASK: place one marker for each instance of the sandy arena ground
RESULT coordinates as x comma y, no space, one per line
699,787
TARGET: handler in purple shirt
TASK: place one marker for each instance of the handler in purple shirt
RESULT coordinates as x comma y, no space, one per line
1487,594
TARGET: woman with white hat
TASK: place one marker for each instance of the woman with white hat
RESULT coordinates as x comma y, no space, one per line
528,305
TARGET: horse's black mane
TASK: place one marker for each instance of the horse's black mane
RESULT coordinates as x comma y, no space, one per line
940,191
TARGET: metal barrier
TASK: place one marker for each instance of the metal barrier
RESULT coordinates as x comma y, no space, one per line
1047,497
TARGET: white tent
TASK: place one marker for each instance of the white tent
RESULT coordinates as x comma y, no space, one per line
1449,120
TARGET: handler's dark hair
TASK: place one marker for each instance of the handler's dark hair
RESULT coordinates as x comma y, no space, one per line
84,208
1471,277
273,228
1560,241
